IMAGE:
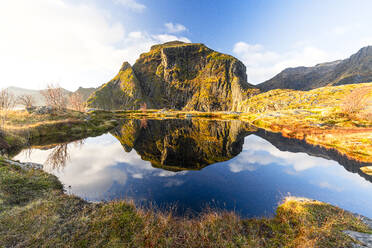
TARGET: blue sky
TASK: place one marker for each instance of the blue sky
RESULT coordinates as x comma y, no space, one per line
84,42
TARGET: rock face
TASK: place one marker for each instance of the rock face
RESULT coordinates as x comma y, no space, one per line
177,75
124,91
356,69
85,92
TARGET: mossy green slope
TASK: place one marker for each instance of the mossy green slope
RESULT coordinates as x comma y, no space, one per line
122,92
177,75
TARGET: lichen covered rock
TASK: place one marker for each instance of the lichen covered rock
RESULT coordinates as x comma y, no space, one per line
122,92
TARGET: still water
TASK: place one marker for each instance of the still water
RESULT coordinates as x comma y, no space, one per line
190,165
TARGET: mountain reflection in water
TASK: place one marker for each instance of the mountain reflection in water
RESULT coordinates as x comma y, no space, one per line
245,169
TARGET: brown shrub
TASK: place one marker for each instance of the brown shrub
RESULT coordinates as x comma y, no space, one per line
356,100
54,97
76,102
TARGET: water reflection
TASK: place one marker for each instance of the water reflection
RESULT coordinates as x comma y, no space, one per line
249,169
183,144
58,157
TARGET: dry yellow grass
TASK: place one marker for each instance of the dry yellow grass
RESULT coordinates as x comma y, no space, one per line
367,170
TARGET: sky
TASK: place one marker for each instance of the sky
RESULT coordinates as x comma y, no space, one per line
84,42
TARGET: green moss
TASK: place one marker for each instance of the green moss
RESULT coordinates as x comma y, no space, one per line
19,186
220,56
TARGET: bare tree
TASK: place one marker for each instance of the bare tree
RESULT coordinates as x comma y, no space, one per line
26,100
76,102
54,96
7,102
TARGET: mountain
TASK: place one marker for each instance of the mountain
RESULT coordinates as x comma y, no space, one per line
39,98
355,69
176,75
85,92
36,95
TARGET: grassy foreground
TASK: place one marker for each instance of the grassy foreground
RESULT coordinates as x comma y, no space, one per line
35,212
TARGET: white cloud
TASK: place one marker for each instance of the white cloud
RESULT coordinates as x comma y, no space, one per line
135,35
173,183
340,30
167,37
263,64
174,27
329,186
258,152
59,42
91,175
138,175
131,4
165,173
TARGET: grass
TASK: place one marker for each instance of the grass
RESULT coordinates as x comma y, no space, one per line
317,116
22,119
22,129
35,212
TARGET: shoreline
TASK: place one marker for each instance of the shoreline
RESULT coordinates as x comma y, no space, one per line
41,196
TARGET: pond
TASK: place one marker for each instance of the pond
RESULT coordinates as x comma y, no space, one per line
192,165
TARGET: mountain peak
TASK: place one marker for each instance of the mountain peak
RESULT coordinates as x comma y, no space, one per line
365,50
125,66
177,75
355,69
169,43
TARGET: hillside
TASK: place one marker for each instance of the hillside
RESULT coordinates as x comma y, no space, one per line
321,116
38,97
85,92
176,75
355,69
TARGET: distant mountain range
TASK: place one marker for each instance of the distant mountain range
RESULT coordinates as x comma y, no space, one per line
38,97
355,69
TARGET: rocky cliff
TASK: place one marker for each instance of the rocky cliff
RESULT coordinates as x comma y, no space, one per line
177,75
355,69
